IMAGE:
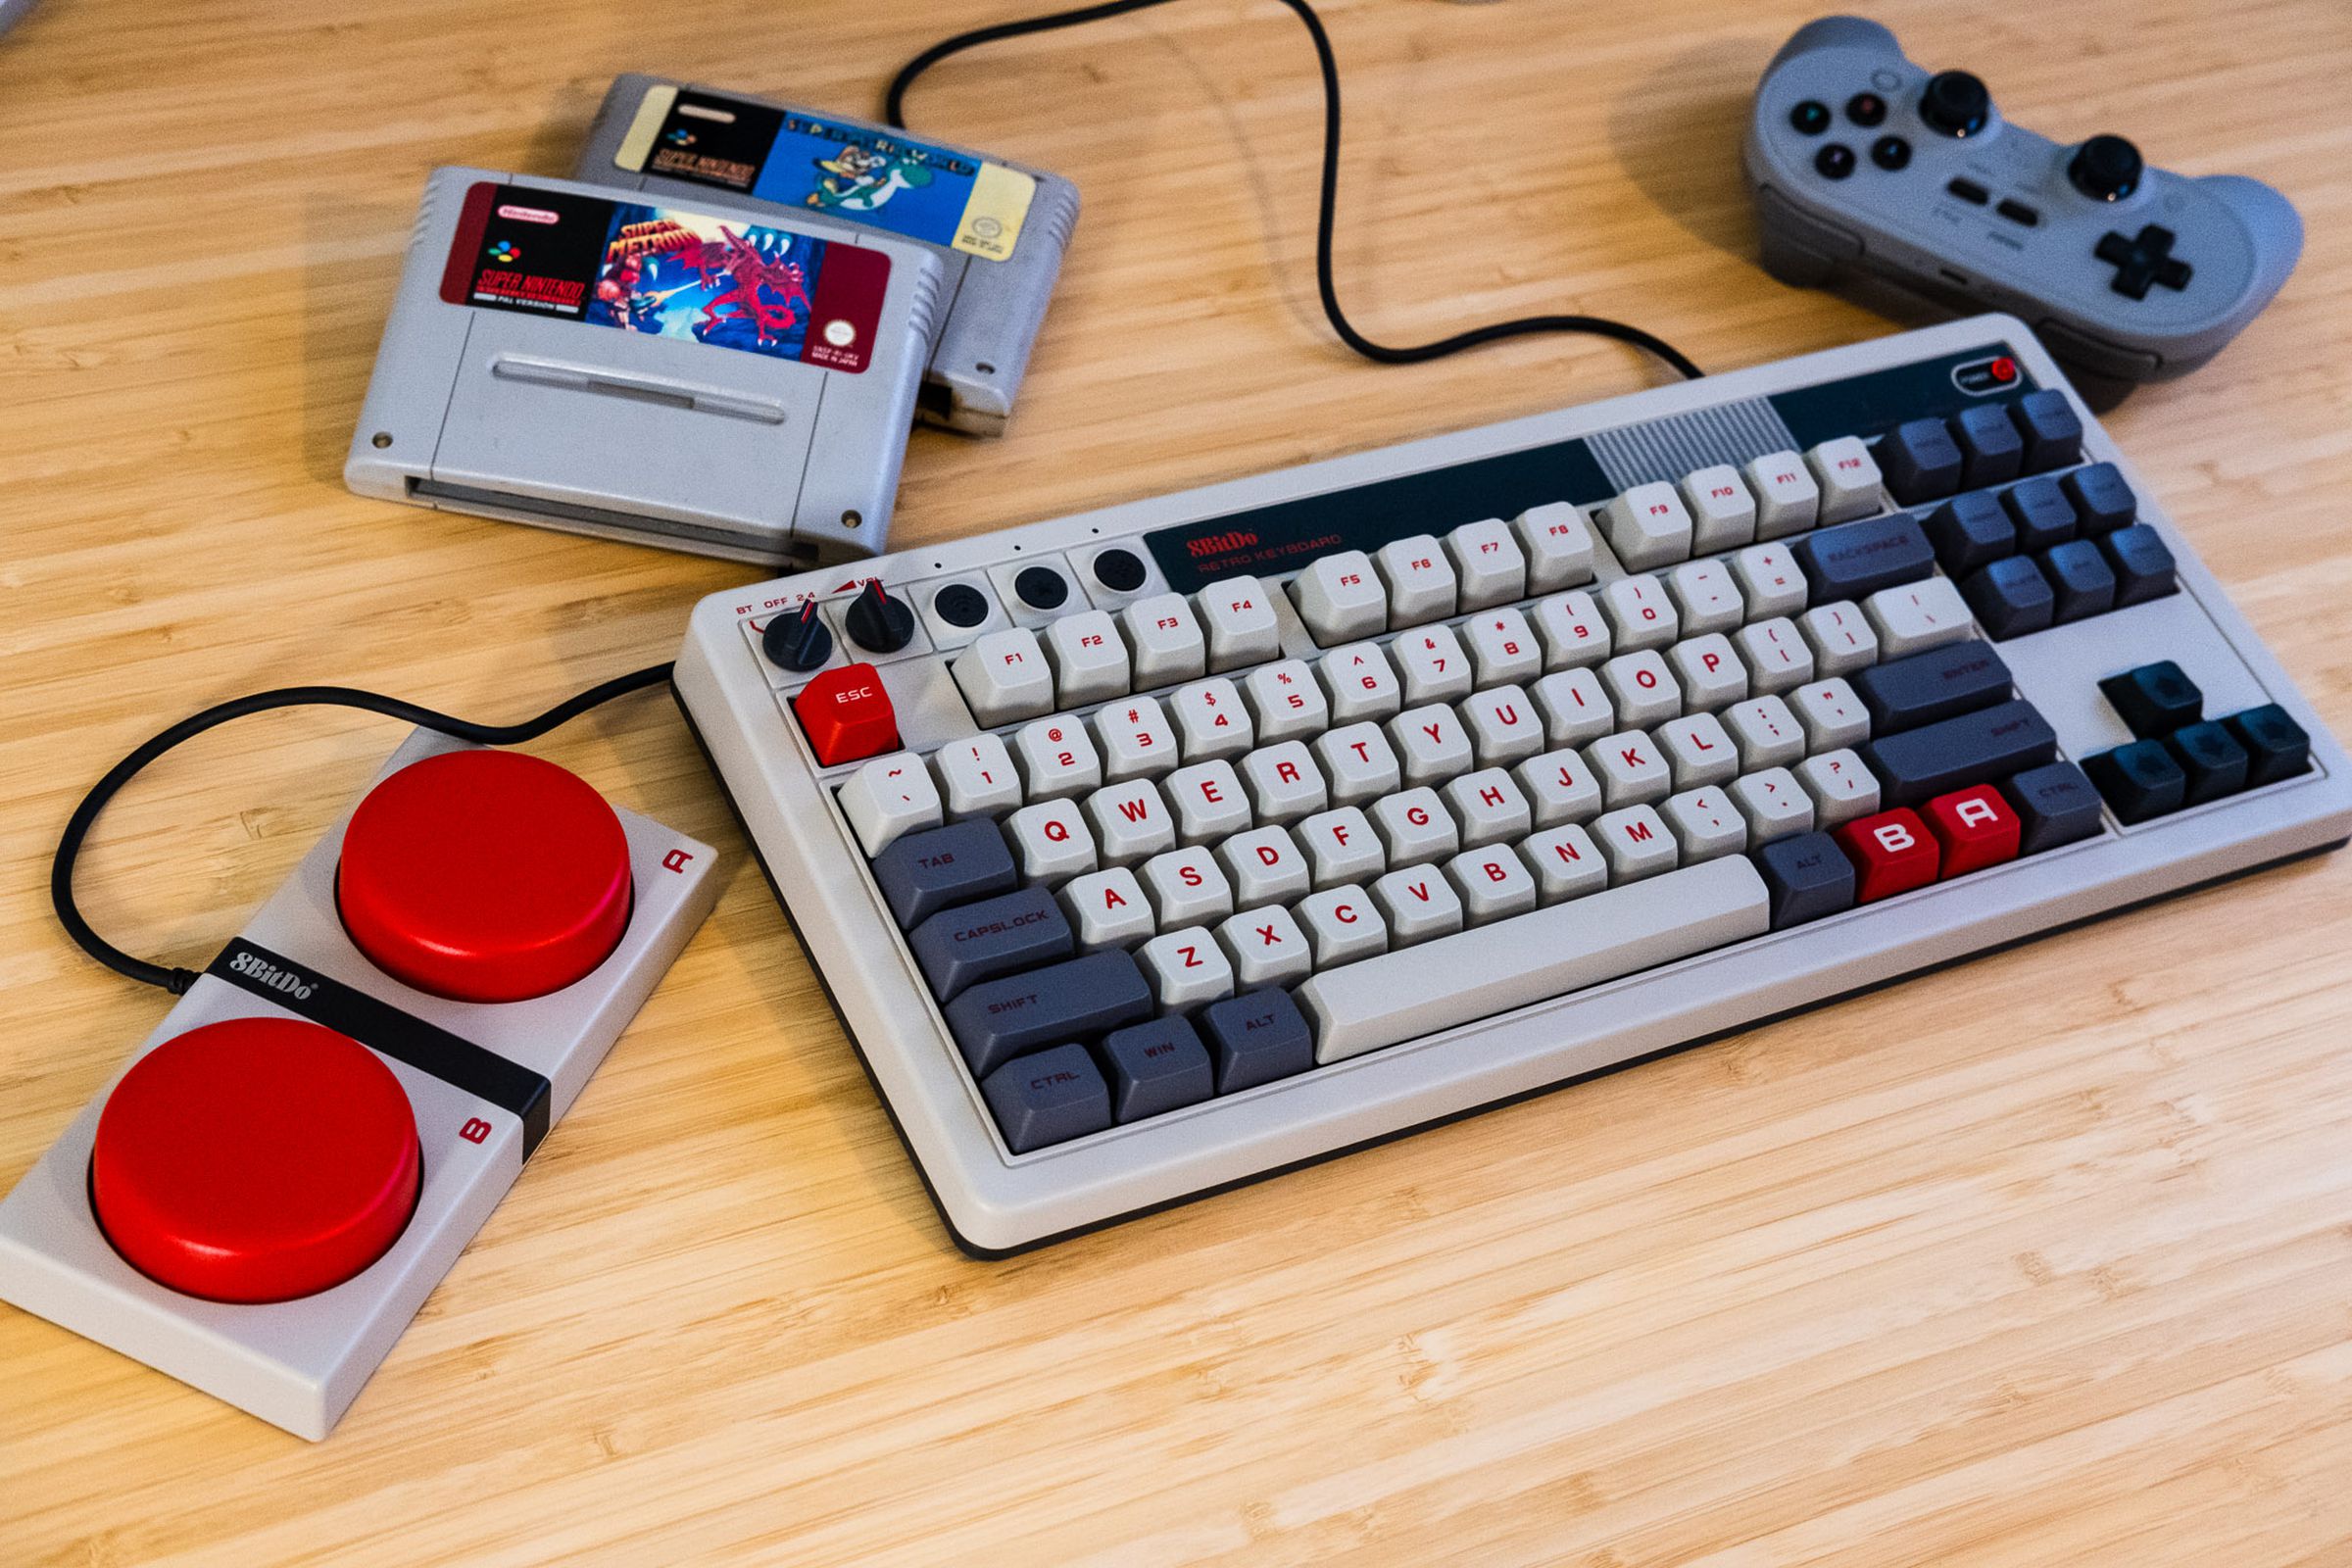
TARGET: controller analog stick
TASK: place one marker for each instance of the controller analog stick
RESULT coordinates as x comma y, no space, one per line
484,876
2105,169
255,1159
1955,103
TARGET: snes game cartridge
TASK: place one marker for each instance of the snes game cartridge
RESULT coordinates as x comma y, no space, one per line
702,378
998,229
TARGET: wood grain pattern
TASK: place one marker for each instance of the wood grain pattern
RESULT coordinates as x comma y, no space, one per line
2040,1260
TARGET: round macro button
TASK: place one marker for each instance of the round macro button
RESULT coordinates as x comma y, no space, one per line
484,876
1810,118
959,604
255,1159
1835,161
1042,587
1119,570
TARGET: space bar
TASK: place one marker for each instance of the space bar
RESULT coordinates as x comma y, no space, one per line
1532,957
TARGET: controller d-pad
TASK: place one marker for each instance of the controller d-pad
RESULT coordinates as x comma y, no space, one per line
2143,259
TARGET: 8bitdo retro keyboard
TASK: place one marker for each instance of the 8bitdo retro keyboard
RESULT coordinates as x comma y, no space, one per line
1153,849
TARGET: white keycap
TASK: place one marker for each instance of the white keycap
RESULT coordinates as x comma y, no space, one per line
1705,823
1576,708
1698,751
1768,734
1848,477
1340,596
1420,579
1343,925
1089,658
1706,597
890,796
1186,969
1787,499
1769,580
1574,633
1632,770
1503,725
1648,526
1187,887
1504,648
1414,827
1360,682
1057,757
1050,842
1433,664
1284,782
1832,715
1642,613
1286,700
1209,802
1641,689
1266,948
1918,615
1004,676
1841,786
1136,739
1264,867
1842,637
1560,787
1566,863
1418,904
1108,910
1711,673
1131,822
1494,884
1723,510
1635,842
1773,803
1557,545
1340,845
1210,721
1239,614
1359,764
979,777
1431,744
1166,640
1487,562
1490,807
1777,655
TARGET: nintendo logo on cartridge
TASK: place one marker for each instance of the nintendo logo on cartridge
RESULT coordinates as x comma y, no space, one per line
528,215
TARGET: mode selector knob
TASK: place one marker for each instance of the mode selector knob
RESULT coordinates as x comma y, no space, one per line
879,623
799,642
1955,103
2105,169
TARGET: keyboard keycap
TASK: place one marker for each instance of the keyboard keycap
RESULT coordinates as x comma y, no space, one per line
960,947
2144,568
999,1019
1805,878
978,777
1841,786
923,873
2055,805
1157,1067
1918,615
1421,581
1131,822
1089,658
1970,531
1974,828
2042,514
1723,509
1186,887
1788,500
1257,1038
2052,430
1166,640
1919,765
1045,1099
2154,699
1340,597
2082,579
1532,958
1557,545
1186,969
1856,559
2103,501
1892,853
1770,581
2011,598
2211,758
1921,461
888,797
1004,676
1286,702
1937,684
2140,780
1266,948
1843,640
1135,740
1108,910
1487,562
1773,803
1239,614
1849,479
1648,526
1992,451
2277,746
1052,842
1343,924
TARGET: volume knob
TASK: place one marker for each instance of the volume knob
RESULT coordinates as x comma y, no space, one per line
2105,169
1955,103
879,623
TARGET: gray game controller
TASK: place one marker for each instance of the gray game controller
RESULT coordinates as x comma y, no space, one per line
1860,161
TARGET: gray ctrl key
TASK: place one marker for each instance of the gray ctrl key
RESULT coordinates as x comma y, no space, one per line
997,1021
1050,1098
963,947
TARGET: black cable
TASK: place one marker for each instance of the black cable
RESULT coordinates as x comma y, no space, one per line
894,106
78,827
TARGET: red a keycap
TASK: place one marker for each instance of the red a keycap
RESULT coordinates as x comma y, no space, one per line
848,716
1975,828
1892,853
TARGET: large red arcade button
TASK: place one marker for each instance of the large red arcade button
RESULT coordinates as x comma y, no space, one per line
484,876
256,1159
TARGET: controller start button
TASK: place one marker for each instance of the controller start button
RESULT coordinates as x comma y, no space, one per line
484,876
256,1159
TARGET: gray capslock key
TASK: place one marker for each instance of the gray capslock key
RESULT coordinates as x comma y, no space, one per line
1257,1037
963,947
1919,765
1048,1098
997,1021
923,873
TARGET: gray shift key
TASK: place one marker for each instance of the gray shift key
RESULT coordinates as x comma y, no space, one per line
963,947
1978,747
997,1021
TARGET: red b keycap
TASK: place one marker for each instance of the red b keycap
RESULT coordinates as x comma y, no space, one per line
1892,853
847,714
255,1159
1975,828
484,876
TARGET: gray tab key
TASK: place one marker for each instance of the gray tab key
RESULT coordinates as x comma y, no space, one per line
1855,560
1992,742
1050,1098
1922,688
997,1021
963,947
923,873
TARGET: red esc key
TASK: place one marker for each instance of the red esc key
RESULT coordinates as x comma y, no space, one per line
847,715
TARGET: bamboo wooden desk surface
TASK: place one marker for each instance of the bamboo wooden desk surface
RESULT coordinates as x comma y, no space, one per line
2043,1259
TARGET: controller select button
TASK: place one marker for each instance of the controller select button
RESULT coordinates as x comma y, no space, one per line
1866,109
1835,161
2018,212
1810,118
2143,259
1891,153
1968,190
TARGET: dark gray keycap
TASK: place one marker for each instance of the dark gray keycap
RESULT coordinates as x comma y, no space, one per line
2056,805
1257,1038
1048,1097
997,1021
2082,579
1937,759
2052,430
2140,780
924,874
1157,1066
2277,746
2043,516
1855,560
2010,598
963,947
1969,531
2143,566
2154,699
2211,758
1922,688
1920,461
2103,501
1806,876
1992,451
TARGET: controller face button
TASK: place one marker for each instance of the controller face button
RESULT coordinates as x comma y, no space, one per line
1810,118
1866,109
1955,103
1968,190
1835,161
2018,212
1891,153
2105,169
